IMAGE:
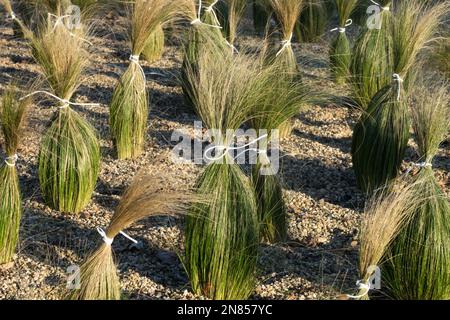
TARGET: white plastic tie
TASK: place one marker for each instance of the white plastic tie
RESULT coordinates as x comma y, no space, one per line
286,43
198,21
342,29
109,241
13,15
361,286
11,161
396,77
223,150
65,102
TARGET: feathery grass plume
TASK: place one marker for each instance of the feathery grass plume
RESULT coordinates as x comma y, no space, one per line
340,55
12,116
418,265
129,104
143,198
372,62
312,22
386,213
154,48
222,237
381,135
283,100
235,10
69,153
261,15
204,29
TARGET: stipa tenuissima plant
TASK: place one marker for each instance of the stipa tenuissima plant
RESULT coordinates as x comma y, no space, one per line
204,28
312,22
235,10
283,100
222,236
418,266
69,153
12,115
129,104
99,279
384,217
381,135
340,55
372,59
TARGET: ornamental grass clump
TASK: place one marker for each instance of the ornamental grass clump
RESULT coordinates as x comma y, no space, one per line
99,279
222,236
372,62
284,99
340,54
312,22
205,28
129,105
384,217
418,265
12,115
69,155
381,135
235,10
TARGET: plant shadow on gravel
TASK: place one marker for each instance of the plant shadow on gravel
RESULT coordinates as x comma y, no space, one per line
321,181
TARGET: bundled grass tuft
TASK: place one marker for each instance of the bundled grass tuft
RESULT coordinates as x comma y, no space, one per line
372,62
143,198
154,48
419,258
222,236
384,217
235,10
129,104
283,100
12,120
340,55
69,153
381,135
312,22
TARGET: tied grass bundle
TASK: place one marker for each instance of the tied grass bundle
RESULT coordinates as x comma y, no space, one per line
284,99
129,104
340,55
198,35
418,265
154,48
381,135
143,198
69,154
287,13
222,237
372,62
384,217
12,120
312,22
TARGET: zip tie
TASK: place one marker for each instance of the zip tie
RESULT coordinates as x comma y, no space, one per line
383,8
13,160
211,10
233,48
65,102
286,43
361,286
225,149
128,237
342,29
398,79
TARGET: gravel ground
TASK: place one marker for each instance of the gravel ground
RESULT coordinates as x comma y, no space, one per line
318,261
